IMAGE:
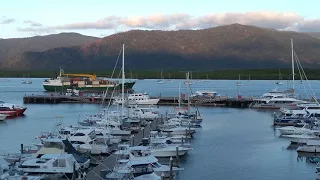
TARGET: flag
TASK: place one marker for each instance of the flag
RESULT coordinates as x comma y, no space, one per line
239,96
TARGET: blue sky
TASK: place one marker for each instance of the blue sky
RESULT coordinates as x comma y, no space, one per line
19,18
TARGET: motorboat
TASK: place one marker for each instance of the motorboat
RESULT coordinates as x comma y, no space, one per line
8,172
174,128
300,128
51,164
11,110
162,149
205,93
275,102
312,146
139,155
85,141
137,98
146,113
301,138
26,82
62,146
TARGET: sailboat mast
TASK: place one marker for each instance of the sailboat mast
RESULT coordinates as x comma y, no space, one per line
122,90
292,59
179,95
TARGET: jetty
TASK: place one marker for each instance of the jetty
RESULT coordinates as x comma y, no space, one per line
166,101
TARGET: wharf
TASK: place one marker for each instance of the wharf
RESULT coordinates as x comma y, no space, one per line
167,101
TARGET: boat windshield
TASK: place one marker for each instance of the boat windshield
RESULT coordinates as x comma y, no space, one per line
156,165
299,125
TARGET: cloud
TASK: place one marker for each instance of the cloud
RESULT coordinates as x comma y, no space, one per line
37,30
266,19
5,20
32,23
310,25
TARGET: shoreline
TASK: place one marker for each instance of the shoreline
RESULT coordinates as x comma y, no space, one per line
243,74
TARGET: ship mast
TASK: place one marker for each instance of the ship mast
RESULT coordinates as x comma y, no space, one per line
123,77
292,59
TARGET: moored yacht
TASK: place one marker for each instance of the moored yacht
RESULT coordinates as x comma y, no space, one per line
312,146
300,128
137,98
51,164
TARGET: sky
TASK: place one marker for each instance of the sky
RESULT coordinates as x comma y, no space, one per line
25,18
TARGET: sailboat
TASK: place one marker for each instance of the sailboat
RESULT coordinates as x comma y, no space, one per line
188,81
160,81
280,99
239,82
280,78
169,80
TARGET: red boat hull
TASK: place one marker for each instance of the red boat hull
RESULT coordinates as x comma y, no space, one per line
14,113
9,113
20,111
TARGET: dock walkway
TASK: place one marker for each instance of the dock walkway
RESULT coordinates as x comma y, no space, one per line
168,101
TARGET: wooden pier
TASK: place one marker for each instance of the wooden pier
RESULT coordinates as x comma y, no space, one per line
167,101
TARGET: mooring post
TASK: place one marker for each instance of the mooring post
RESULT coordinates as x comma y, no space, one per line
177,156
171,169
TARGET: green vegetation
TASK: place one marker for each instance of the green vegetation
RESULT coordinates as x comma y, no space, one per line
263,74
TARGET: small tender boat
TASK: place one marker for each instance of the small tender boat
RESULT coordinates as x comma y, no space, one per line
26,82
314,159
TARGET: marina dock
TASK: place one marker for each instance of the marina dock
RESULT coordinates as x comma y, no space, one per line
167,101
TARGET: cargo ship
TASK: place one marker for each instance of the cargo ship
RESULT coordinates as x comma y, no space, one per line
83,82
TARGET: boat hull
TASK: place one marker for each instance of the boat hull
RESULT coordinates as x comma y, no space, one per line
2,117
56,88
9,114
309,149
168,153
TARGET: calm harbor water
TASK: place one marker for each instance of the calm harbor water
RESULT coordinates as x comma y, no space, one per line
233,144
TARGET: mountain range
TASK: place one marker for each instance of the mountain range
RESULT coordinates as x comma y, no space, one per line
225,47
16,46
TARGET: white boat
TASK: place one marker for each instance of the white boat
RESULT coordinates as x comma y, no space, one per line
299,128
312,146
188,80
3,117
175,128
301,138
274,103
138,98
61,146
138,155
147,113
205,93
12,173
160,81
165,150
26,82
85,141
280,99
51,164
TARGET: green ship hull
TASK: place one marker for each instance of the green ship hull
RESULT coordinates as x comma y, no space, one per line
127,86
